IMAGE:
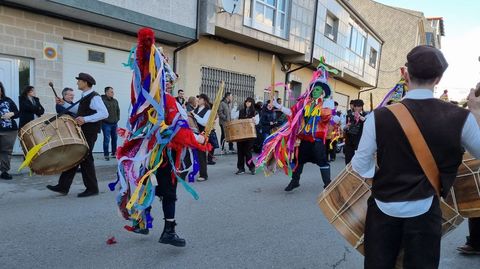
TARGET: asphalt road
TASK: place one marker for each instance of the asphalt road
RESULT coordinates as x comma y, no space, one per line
239,222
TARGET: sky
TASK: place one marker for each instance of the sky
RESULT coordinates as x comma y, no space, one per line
460,45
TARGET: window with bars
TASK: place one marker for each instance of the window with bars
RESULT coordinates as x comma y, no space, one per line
240,85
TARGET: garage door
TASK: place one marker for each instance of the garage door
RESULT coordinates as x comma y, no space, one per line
105,65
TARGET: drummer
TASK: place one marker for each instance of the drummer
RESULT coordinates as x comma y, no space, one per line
91,112
403,210
244,147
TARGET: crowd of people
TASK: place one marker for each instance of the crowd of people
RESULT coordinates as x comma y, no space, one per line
405,215
101,111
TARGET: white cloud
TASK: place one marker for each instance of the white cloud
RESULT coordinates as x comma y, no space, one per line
462,53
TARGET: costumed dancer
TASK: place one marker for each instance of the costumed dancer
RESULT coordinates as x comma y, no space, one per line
157,139
333,135
302,138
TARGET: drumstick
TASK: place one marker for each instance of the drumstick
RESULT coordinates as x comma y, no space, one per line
51,86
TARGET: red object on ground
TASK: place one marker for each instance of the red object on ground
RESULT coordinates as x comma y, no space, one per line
128,228
111,240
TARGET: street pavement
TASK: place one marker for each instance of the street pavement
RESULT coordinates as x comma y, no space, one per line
240,221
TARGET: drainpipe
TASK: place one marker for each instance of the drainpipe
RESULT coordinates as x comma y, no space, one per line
287,75
189,43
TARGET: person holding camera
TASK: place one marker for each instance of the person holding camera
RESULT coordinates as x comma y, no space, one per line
353,129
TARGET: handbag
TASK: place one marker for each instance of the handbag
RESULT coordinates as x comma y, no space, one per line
213,139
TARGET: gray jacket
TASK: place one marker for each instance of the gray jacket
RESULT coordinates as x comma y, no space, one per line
225,112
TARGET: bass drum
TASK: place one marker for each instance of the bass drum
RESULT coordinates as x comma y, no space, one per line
344,204
465,192
66,146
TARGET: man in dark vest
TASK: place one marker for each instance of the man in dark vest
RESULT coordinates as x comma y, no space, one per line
91,112
404,211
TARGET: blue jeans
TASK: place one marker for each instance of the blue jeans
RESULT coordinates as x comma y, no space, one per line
109,132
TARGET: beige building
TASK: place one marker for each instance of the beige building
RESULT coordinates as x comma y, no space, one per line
402,30
237,46
206,41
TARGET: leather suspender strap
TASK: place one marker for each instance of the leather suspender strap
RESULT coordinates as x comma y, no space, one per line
417,142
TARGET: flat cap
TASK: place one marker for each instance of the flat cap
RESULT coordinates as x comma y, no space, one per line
86,77
426,62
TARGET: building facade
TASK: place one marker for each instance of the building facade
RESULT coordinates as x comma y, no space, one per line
43,41
237,46
206,41
402,30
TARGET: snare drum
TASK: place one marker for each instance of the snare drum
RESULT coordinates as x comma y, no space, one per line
65,149
238,130
344,204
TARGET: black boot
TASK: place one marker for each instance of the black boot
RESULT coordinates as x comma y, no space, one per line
325,176
169,236
294,183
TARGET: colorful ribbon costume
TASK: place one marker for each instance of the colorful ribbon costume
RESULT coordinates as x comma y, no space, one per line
156,131
308,120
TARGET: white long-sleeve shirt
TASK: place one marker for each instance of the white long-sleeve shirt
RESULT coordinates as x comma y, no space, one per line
202,120
96,104
363,161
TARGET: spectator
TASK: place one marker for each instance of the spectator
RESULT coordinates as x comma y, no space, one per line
191,103
201,115
109,125
267,120
180,97
224,113
353,130
444,96
8,132
67,100
244,148
30,107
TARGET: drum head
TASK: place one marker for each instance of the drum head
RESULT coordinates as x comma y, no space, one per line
59,159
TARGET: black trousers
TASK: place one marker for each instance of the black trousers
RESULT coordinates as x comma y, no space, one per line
222,139
202,161
244,154
166,189
313,152
349,151
419,237
87,167
474,230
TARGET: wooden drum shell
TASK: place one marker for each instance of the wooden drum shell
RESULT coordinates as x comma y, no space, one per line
344,204
66,148
239,130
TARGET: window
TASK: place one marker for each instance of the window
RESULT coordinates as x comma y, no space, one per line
240,85
331,27
430,39
357,40
270,16
373,58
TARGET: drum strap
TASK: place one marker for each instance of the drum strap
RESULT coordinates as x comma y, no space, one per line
417,142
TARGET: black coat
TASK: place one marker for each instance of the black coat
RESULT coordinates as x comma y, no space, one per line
28,110
266,117
7,105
